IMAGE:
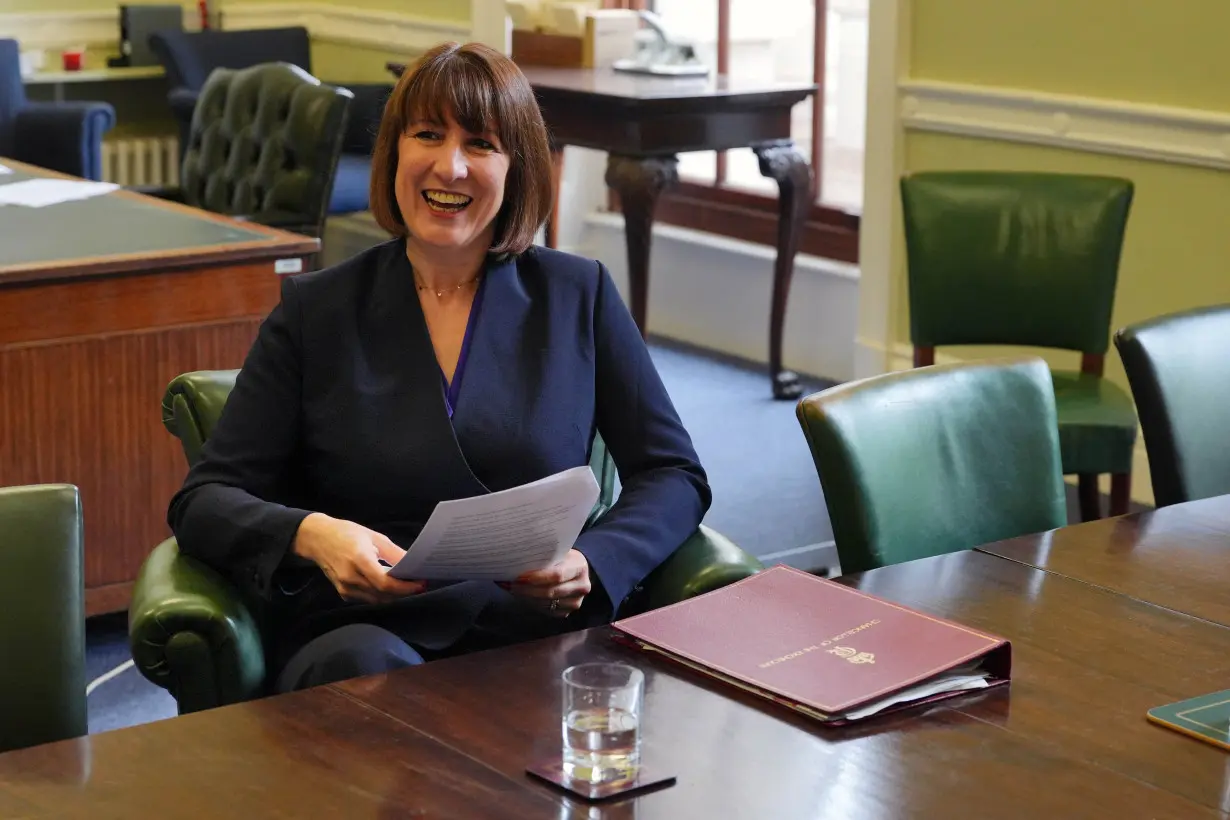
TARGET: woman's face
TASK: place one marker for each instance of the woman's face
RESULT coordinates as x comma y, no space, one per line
450,184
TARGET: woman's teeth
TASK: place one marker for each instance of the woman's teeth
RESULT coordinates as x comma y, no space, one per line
446,202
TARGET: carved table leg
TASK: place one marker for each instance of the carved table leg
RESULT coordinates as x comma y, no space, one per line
639,182
783,162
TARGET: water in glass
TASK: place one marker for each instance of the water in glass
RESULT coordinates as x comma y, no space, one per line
601,722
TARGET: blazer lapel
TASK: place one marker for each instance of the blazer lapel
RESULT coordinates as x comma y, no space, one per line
496,364
423,402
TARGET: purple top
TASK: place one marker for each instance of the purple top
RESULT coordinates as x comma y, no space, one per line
451,390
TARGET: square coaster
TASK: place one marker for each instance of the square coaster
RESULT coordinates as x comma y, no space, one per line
551,770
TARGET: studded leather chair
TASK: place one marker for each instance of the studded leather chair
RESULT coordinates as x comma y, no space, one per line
264,146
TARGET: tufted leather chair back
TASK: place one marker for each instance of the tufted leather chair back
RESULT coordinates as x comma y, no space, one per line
264,145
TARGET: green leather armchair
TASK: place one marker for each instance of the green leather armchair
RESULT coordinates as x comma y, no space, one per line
937,459
192,633
1032,259
42,641
1178,369
264,145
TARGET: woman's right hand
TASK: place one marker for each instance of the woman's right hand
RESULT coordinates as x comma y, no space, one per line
350,555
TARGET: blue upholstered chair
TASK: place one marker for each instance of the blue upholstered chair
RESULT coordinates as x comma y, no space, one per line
189,57
63,136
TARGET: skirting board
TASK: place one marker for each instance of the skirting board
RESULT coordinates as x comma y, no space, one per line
901,357
714,292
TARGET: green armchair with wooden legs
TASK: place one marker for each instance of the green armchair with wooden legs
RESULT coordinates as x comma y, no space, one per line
1004,258
193,634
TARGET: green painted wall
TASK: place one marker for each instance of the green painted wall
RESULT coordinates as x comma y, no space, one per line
1177,252
1172,53
344,63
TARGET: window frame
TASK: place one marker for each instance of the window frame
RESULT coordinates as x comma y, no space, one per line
751,216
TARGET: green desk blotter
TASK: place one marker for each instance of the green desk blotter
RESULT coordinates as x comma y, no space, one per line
1205,718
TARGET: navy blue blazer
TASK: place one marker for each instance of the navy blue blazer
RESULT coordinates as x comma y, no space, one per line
340,408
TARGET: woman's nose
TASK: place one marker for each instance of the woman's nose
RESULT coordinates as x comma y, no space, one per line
451,162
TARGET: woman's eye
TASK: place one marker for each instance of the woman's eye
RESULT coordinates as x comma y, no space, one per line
426,135
482,144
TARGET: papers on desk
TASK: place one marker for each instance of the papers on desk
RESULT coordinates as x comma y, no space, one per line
4,169
499,536
38,193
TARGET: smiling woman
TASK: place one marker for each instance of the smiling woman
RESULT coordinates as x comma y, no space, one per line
454,360
454,121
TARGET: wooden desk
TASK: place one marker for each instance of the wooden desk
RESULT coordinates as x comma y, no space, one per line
1177,557
1067,739
643,122
102,302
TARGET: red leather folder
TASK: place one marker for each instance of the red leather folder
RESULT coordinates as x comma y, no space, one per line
820,647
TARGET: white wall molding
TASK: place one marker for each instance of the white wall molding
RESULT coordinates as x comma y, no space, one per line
334,22
338,23
881,249
1187,136
55,30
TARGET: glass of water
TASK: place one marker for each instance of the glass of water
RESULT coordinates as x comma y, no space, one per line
602,721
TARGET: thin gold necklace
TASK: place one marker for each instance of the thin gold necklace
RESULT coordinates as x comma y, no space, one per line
440,293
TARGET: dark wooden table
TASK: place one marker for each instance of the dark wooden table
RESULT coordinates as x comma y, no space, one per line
644,122
1177,557
102,302
1067,739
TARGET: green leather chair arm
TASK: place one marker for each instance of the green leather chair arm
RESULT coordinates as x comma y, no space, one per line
705,562
192,634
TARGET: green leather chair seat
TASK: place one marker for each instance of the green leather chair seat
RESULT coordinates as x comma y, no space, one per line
1097,423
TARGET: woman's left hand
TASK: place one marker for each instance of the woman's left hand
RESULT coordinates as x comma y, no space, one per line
559,589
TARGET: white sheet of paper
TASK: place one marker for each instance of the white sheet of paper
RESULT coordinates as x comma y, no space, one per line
4,169
498,536
38,193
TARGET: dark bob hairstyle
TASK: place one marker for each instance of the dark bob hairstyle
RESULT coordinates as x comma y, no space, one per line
483,91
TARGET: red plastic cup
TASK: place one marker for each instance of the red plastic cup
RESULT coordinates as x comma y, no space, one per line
72,60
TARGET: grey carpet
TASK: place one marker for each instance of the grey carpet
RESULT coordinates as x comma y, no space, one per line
766,498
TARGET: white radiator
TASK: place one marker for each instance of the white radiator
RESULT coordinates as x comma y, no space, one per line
141,161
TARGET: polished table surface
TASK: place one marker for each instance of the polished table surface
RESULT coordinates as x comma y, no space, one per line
1067,739
123,231
1176,557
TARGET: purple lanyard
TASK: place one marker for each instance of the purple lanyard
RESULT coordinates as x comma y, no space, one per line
451,390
